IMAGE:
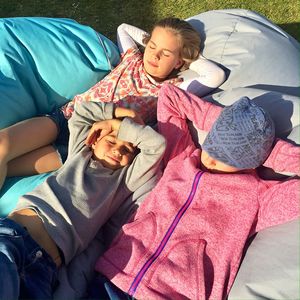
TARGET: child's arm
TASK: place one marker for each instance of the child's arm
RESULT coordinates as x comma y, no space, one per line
174,107
151,146
209,77
97,130
83,127
285,157
129,36
278,204
82,120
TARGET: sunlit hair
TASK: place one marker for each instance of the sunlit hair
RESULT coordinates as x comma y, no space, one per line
188,37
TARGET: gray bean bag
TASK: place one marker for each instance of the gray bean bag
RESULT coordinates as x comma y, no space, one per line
262,62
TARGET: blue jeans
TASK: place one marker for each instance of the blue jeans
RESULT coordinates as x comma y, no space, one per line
27,271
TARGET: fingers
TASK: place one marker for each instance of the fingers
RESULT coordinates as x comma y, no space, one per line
103,133
91,138
100,129
96,131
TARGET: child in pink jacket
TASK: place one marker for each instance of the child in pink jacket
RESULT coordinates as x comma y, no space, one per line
187,238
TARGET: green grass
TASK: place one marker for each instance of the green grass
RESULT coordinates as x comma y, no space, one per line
106,15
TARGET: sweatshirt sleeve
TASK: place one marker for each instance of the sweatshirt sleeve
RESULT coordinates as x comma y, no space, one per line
84,116
129,36
206,76
284,157
174,108
151,146
279,203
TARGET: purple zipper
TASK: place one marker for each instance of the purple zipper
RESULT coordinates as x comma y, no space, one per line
167,236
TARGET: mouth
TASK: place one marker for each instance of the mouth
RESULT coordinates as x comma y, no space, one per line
152,64
113,159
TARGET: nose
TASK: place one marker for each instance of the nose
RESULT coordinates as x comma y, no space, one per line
209,162
117,152
156,55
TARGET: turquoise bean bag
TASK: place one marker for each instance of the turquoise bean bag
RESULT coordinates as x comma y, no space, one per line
44,63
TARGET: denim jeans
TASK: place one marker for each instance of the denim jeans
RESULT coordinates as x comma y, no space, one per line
27,271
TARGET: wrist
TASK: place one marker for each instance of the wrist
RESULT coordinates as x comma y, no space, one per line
121,112
118,112
116,123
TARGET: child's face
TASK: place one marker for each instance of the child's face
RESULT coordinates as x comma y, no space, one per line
215,166
162,54
112,152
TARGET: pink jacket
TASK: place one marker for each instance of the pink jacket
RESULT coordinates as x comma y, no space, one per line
187,238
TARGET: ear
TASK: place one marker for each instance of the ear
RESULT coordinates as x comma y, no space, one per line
95,141
179,64
93,145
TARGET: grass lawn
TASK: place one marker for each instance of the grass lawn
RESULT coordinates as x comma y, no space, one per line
106,15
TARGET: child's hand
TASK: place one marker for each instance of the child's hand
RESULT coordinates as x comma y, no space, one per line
121,112
102,128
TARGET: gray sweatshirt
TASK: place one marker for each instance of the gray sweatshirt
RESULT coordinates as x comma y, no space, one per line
81,196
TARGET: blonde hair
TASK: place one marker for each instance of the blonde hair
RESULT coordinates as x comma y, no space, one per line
189,38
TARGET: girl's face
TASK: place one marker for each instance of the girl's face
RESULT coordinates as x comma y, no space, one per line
113,153
162,54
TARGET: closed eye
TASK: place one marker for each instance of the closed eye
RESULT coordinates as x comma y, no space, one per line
129,150
110,142
152,45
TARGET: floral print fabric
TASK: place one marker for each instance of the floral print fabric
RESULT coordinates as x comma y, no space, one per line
128,85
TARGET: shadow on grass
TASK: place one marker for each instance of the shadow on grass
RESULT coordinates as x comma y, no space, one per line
104,16
293,29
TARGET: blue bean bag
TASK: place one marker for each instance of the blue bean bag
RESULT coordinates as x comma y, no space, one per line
44,62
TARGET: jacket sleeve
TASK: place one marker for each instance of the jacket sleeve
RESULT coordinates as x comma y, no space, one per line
174,108
284,157
151,146
203,77
129,36
279,203
84,116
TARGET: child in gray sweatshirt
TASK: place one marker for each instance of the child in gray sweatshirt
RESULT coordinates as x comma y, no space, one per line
59,218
